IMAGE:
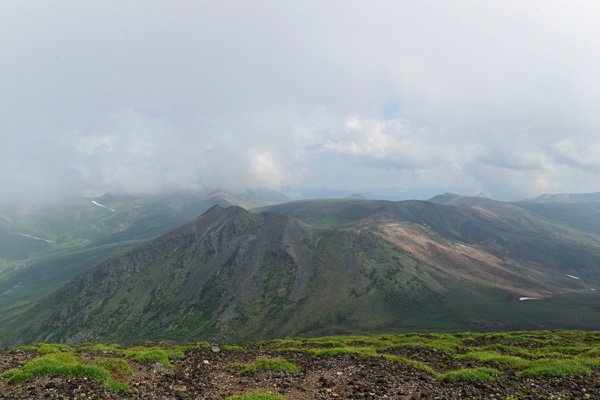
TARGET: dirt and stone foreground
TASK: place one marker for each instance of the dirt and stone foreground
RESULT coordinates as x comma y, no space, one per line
329,369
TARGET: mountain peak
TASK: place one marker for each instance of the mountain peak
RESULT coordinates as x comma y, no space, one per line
445,197
450,198
236,275
218,210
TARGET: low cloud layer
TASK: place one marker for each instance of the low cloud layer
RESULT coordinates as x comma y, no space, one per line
142,96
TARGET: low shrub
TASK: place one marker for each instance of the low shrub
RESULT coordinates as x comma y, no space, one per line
555,367
267,364
63,364
469,375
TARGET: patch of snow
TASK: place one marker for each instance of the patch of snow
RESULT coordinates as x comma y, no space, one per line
571,276
103,206
528,298
593,290
34,237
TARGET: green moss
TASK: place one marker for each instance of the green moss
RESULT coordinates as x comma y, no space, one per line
191,346
444,342
566,350
102,348
490,357
338,341
46,348
411,363
234,347
555,367
267,364
336,351
150,353
593,362
441,346
469,375
163,355
521,337
539,353
62,364
116,365
255,396
283,343
370,345
160,353
572,350
499,347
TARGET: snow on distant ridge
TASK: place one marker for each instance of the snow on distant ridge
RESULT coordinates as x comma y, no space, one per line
572,276
34,237
103,206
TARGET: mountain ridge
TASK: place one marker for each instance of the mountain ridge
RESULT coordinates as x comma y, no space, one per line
318,267
566,198
81,232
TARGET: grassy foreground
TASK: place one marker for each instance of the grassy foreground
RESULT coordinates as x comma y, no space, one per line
446,358
57,359
531,353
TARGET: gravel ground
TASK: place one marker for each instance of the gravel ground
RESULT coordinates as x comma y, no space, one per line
205,374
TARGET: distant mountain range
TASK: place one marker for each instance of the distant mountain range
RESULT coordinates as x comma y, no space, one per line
322,266
42,248
568,198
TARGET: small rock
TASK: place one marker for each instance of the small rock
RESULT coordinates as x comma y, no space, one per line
158,368
180,388
205,362
215,349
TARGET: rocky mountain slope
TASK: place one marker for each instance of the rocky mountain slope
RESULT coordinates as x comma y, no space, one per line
43,247
317,267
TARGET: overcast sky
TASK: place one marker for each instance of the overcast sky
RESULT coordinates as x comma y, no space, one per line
134,96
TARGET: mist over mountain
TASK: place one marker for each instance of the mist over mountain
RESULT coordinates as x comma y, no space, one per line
568,198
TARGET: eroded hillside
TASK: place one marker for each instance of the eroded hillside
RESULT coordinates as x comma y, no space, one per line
353,266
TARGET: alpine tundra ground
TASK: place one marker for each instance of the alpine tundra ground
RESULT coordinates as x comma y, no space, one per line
505,366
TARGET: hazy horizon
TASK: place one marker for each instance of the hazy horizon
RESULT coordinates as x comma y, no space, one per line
395,98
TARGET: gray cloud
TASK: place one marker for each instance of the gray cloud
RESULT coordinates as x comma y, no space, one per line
145,96
569,153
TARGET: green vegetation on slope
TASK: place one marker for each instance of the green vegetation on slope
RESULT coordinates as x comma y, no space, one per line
447,358
363,266
143,354
470,375
68,364
554,367
93,361
42,249
267,364
573,352
234,347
